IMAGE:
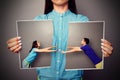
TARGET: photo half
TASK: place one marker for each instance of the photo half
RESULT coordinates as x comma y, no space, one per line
84,45
36,37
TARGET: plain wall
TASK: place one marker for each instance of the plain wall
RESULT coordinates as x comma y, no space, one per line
12,10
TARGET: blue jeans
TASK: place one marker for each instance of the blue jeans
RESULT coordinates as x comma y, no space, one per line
25,64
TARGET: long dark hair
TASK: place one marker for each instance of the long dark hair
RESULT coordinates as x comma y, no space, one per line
34,45
49,6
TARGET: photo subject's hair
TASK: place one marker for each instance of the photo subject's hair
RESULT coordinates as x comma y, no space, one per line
34,45
86,40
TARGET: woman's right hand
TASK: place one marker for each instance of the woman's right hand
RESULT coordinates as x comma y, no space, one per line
14,44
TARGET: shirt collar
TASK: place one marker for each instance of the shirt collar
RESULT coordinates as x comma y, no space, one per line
61,14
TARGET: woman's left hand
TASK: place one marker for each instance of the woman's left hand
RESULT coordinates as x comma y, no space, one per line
107,47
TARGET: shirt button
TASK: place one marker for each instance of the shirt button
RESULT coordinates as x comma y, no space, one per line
58,61
59,49
60,28
61,15
58,58
57,72
59,38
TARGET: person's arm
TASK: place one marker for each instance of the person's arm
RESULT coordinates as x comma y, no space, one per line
45,49
107,48
73,49
14,44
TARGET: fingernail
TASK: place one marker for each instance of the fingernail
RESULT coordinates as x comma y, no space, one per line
102,44
102,39
19,41
20,44
19,37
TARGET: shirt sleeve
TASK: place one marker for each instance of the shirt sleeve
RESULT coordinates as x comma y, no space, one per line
82,18
40,17
83,48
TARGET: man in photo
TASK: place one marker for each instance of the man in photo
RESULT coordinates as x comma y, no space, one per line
97,61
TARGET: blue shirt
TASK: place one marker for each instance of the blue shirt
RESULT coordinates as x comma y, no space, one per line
60,38
91,54
31,56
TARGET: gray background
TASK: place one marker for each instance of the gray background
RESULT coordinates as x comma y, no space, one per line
12,10
42,31
78,31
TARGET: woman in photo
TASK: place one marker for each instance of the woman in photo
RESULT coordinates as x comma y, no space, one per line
34,51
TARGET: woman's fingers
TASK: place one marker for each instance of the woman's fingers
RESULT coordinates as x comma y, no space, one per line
52,50
106,42
105,54
13,40
15,48
14,44
48,50
50,47
106,47
109,51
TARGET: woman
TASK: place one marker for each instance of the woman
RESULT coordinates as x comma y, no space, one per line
61,12
33,53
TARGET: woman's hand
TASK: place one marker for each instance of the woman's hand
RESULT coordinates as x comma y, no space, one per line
14,44
107,48
48,49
